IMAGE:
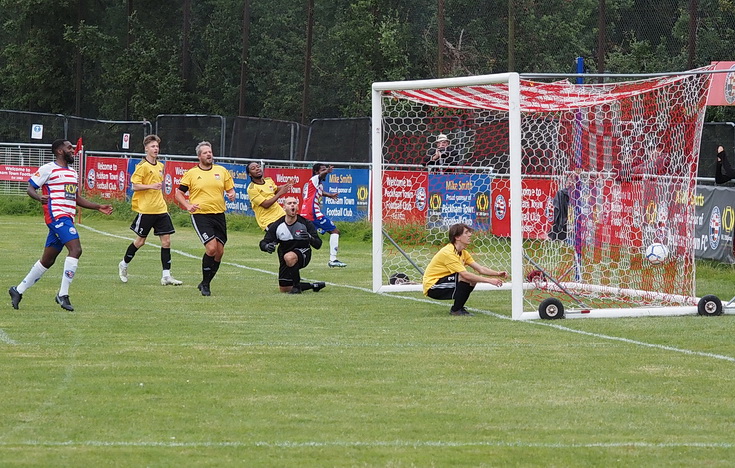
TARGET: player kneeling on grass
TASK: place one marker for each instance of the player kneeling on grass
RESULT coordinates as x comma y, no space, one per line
293,236
447,277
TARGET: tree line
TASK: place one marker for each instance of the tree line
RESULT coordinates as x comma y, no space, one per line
299,60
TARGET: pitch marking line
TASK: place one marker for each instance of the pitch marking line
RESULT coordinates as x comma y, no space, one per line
486,312
377,443
4,338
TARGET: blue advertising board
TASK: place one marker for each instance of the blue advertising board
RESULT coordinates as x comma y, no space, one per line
459,198
352,187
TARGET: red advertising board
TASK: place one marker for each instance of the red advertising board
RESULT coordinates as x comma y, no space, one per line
536,200
617,221
405,196
16,173
722,85
298,177
172,174
105,177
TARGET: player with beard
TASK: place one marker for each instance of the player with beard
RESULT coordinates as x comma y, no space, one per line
59,184
264,194
295,236
206,183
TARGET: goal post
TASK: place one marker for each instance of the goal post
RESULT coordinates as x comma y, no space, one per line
568,187
514,130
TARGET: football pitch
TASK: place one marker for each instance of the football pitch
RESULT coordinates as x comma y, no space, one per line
146,375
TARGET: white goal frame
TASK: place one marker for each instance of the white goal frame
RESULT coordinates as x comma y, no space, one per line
517,283
514,130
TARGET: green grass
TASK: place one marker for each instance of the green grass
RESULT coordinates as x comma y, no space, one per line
145,375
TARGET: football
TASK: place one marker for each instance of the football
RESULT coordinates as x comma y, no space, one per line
656,253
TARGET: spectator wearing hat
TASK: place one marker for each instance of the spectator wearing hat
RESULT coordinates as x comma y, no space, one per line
441,154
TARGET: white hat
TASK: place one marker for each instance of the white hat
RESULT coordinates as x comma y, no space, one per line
442,137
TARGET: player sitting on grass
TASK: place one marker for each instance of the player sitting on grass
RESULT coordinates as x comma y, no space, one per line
294,236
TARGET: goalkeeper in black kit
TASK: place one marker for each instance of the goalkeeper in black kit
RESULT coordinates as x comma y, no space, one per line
293,236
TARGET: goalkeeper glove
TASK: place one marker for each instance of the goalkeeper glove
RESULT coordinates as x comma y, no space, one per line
302,236
270,247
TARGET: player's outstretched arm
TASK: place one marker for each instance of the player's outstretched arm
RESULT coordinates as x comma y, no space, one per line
483,270
473,278
84,203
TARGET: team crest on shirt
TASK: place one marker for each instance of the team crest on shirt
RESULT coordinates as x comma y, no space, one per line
216,176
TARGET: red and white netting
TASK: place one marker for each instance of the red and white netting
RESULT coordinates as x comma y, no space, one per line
607,170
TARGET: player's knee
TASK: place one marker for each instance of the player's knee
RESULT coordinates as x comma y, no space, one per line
290,258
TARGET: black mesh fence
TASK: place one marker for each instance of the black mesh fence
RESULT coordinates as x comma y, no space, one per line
180,134
16,126
255,138
339,140
109,135
333,140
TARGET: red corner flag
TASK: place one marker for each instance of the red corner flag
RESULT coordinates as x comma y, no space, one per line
78,148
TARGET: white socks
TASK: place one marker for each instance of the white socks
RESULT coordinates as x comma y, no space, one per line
70,269
333,246
37,270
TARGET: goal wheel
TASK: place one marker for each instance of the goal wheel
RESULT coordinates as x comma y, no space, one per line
551,309
710,305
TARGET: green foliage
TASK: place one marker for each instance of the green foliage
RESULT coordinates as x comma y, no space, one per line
217,74
15,205
132,68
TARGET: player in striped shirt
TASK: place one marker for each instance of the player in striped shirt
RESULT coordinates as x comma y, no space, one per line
59,186
311,210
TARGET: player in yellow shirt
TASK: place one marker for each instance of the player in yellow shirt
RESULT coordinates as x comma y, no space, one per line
148,202
206,183
264,195
447,277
